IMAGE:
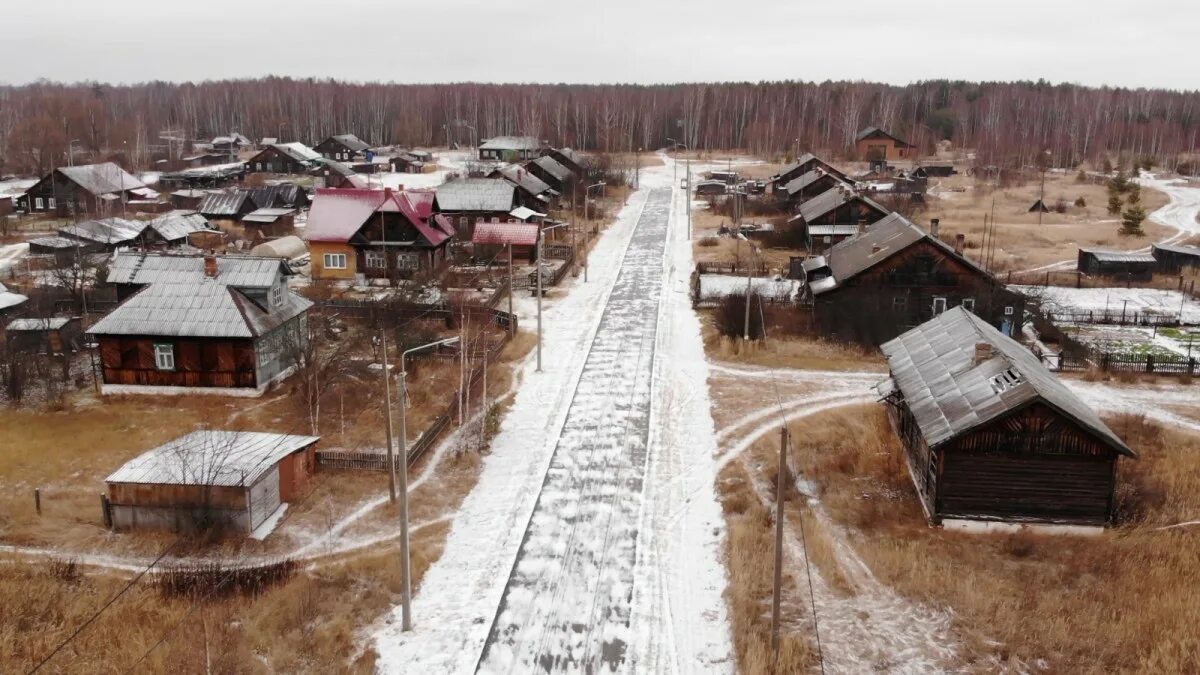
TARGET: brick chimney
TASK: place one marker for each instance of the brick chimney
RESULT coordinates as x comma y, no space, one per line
983,352
875,249
960,243
934,226
210,266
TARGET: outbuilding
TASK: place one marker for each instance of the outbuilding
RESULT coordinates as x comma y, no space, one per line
211,480
1174,258
1122,264
990,434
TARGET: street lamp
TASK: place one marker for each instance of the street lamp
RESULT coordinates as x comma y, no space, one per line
586,204
538,272
406,594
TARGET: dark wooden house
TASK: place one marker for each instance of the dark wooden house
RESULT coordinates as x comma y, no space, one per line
339,176
874,143
574,161
1120,264
809,185
558,177
342,147
54,335
510,148
835,215
228,207
874,286
289,158
1173,258
803,164
231,481
91,189
991,435
473,200
533,191
199,324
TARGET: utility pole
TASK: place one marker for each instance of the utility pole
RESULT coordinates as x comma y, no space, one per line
510,280
387,413
538,272
687,193
749,274
777,582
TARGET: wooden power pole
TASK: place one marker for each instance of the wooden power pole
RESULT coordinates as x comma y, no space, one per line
777,583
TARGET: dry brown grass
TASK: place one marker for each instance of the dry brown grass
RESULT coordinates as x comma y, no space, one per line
787,351
1122,601
1021,243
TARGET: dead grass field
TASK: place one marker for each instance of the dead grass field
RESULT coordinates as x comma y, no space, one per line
1124,601
1020,242
788,351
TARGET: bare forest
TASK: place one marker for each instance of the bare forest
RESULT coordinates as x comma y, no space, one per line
1006,123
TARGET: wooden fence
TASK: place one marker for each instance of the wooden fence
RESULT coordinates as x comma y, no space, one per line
375,310
733,268
1115,318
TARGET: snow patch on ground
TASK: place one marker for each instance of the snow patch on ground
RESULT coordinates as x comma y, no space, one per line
1112,300
266,527
717,286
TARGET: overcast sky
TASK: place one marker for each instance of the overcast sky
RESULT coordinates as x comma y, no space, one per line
1149,43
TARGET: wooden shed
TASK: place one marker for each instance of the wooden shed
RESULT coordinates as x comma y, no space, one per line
55,335
1174,258
223,480
990,434
1122,264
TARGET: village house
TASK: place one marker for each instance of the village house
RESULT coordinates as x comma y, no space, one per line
1174,259
990,434
519,238
232,481
375,234
407,162
835,215
510,148
533,190
334,174
289,158
202,160
199,324
188,198
342,147
809,185
230,144
874,143
53,335
226,209
96,189
279,196
468,201
894,276
262,224
557,176
803,164
574,161
1121,264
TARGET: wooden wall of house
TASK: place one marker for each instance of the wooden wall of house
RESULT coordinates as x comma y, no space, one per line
271,160
199,362
178,496
899,294
317,251
853,211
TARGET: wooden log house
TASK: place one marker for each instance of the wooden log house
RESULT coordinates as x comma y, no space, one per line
990,435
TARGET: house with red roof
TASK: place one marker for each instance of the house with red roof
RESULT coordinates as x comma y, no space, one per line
361,234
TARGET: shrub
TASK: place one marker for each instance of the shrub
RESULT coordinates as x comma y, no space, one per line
1081,202
1131,221
709,241
731,316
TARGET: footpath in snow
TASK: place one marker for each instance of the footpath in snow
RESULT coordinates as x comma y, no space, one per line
592,539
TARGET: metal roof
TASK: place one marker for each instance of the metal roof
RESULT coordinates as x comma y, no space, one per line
870,131
476,194
832,230
1173,248
345,171
130,267
350,141
233,137
934,367
105,230
202,307
99,179
1106,255
297,151
833,198
283,194
10,299
525,213
211,457
52,323
337,215
511,143
55,242
520,176
554,168
517,234
882,240
266,215
179,224
228,203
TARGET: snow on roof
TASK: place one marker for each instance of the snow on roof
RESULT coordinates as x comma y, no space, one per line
1106,255
950,393
267,215
100,179
351,141
211,457
525,213
179,224
511,143
476,194
52,323
130,267
520,176
54,242
517,234
298,151
223,203
288,248
552,167
197,308
10,299
105,230
336,215
233,137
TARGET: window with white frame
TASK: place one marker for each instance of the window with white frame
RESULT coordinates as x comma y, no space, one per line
335,261
164,356
277,295
939,306
50,202
39,203
969,304
258,166
408,261
1008,311
375,260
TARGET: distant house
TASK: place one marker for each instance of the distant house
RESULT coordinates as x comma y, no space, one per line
231,143
108,234
338,175
176,227
11,303
375,234
1123,264
199,324
874,143
894,276
534,192
490,239
803,164
95,189
407,162
188,198
342,147
809,185
204,159
55,335
263,224
289,158
834,215
991,435
557,176
468,201
227,208
1173,259
211,480
569,158
279,196
711,188
933,171
510,148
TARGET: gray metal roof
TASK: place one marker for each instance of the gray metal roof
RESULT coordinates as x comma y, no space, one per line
223,203
198,308
105,230
831,199
55,242
211,457
511,143
856,254
179,224
804,180
1173,248
129,267
1105,255
351,141
476,194
52,323
800,161
283,194
99,179
949,394
832,230
266,215
554,168
520,176
297,151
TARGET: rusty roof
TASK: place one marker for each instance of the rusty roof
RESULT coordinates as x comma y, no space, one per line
517,234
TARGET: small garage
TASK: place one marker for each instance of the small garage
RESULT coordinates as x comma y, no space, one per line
211,480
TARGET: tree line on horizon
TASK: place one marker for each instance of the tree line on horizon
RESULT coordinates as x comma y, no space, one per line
1005,123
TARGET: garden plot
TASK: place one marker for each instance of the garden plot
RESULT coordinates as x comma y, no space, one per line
1137,340
713,287
1142,301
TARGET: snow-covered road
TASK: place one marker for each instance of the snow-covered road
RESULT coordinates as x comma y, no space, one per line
592,540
